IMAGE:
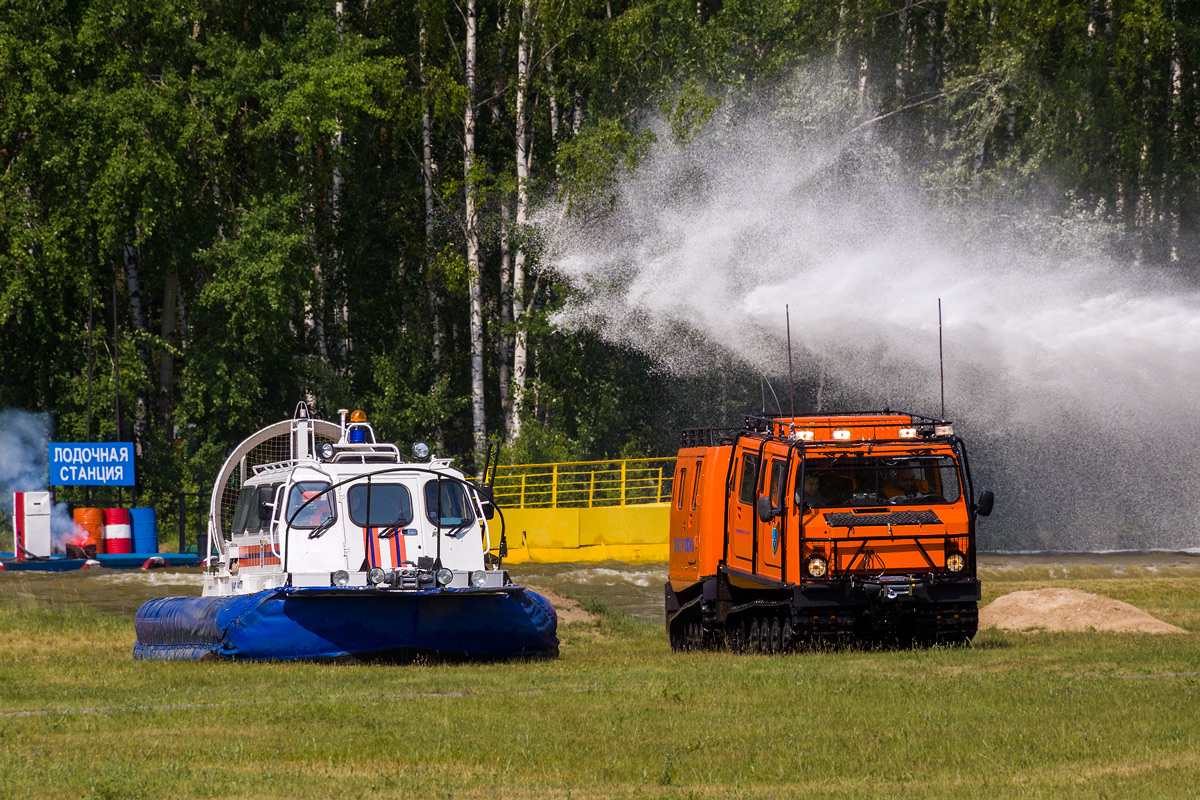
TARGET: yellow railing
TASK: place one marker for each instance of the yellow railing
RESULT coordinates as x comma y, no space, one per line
585,484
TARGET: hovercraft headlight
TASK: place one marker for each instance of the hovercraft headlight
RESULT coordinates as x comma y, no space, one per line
816,566
325,451
956,562
376,576
479,579
340,578
445,576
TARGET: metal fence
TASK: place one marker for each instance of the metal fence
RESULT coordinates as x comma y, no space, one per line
585,484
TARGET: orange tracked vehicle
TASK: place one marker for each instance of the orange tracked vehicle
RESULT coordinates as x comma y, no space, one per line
837,527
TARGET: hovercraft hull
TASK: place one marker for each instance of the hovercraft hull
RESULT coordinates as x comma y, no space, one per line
288,624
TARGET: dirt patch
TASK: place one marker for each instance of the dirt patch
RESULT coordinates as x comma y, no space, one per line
567,609
1068,610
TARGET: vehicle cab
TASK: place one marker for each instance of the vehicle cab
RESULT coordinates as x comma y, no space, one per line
343,510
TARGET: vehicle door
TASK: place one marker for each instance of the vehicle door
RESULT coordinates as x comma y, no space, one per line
383,514
743,492
457,537
311,525
769,538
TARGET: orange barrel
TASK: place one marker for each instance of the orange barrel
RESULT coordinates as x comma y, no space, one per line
91,521
118,531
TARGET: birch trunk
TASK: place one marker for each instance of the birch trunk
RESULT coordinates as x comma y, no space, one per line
521,344
553,97
166,361
475,289
341,343
504,342
137,315
435,302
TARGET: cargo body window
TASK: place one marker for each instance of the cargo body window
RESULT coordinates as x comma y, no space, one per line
696,487
749,478
390,505
455,506
682,484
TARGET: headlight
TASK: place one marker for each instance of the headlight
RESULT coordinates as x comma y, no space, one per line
341,578
479,579
444,576
420,451
325,451
816,566
376,576
956,562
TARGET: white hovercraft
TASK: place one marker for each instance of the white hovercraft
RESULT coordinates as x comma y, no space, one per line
329,545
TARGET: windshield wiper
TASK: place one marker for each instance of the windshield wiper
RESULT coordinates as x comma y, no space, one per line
319,531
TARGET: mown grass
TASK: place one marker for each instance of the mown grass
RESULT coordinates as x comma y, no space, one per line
617,716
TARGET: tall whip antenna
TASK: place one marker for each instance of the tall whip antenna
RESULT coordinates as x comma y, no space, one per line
941,359
791,380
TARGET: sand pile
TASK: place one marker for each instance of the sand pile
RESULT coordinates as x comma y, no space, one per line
1068,610
567,609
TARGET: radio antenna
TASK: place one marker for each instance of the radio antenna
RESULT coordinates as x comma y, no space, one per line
791,380
941,359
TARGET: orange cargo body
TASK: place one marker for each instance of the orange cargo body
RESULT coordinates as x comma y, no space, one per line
846,526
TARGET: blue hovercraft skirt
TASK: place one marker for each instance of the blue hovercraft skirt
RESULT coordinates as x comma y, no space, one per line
288,624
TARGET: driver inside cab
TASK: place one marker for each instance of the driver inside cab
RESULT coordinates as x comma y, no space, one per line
904,485
315,513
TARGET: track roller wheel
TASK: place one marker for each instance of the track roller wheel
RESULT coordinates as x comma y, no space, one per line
737,636
776,635
755,637
678,637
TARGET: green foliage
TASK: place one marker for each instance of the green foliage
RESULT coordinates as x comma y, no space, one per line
262,167
692,108
594,161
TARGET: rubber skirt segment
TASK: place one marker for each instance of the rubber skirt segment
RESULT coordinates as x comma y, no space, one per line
292,624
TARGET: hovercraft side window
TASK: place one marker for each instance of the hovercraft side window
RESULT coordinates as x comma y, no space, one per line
246,514
246,502
320,512
390,505
456,510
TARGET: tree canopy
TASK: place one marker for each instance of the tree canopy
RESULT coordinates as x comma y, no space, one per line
249,204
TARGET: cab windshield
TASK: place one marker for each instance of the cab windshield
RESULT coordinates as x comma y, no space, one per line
319,512
453,503
852,481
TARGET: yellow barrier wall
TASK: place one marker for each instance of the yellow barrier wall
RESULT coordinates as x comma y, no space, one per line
633,534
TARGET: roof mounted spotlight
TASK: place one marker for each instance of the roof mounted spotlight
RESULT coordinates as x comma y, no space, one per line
420,450
357,435
325,451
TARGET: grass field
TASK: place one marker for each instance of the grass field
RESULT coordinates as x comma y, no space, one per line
618,715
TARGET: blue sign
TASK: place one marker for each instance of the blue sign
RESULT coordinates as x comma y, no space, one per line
91,464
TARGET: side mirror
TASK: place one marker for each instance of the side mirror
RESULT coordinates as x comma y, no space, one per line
766,511
986,501
489,510
266,504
